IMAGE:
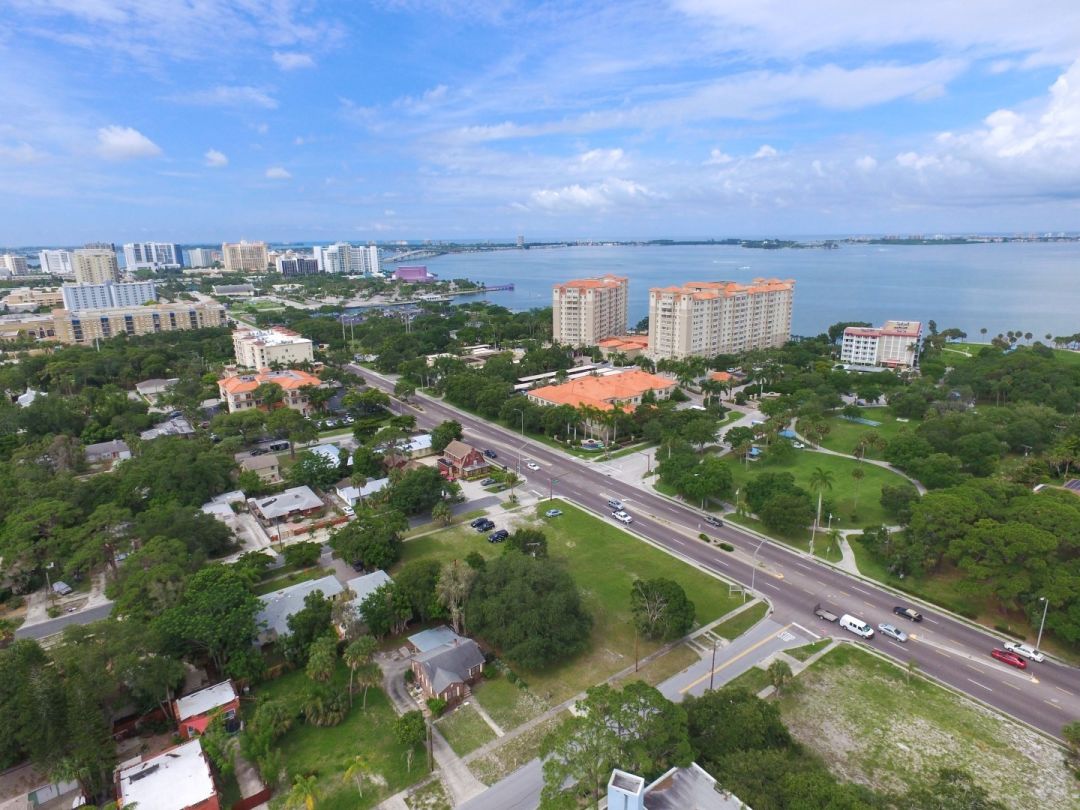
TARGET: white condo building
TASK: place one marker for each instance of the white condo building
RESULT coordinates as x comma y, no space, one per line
263,348
245,257
894,345
351,260
12,265
96,266
707,318
585,311
107,295
151,255
57,262
199,257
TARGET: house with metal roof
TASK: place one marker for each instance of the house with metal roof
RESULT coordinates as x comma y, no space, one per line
678,789
178,778
273,619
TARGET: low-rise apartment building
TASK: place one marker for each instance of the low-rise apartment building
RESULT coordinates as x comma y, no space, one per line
585,311
107,295
707,318
894,345
27,298
102,324
623,390
238,391
264,348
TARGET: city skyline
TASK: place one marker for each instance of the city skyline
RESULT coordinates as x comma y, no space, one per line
320,122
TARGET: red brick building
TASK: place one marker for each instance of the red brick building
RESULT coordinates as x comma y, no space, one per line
462,460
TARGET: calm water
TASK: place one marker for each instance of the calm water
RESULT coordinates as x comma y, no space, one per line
1031,287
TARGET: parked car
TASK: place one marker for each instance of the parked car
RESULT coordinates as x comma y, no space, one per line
499,536
478,521
712,520
532,465
348,511
553,513
892,632
487,482
622,517
1025,650
485,526
908,613
1010,658
278,446
798,445
491,453
258,451
615,504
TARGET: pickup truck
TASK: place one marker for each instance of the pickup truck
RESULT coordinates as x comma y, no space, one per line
822,613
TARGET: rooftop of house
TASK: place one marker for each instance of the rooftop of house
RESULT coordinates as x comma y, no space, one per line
205,700
155,386
104,448
624,343
427,640
296,499
458,449
366,585
173,780
263,462
274,336
288,379
347,489
601,392
178,426
331,452
720,376
450,663
280,605
681,788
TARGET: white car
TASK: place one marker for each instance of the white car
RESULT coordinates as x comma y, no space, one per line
532,465
347,511
622,517
1025,650
798,445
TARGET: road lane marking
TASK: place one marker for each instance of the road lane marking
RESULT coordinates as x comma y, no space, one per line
770,585
807,567
805,630
731,661
1013,685
1066,691
843,593
868,604
860,590
720,562
1055,705
929,620
984,686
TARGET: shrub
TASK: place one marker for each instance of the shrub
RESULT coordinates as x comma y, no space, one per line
704,538
727,547
436,706
410,676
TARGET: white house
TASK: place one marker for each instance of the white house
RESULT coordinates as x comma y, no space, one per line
350,493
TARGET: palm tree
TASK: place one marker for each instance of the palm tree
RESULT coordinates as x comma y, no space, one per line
513,480
820,480
442,514
780,674
834,539
358,655
359,772
303,793
857,474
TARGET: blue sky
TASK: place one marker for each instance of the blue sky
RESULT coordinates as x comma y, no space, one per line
204,120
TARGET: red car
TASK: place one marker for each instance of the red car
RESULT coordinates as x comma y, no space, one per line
1010,658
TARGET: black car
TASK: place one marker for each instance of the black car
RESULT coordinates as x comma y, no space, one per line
478,521
491,454
713,521
908,613
499,536
485,526
259,451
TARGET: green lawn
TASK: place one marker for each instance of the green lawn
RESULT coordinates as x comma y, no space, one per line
740,623
807,651
514,753
874,723
465,730
604,561
844,489
660,669
844,435
801,540
276,584
753,680
327,752
508,704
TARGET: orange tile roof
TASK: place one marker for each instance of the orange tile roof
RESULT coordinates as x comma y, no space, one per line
625,342
592,283
705,290
720,376
601,392
289,379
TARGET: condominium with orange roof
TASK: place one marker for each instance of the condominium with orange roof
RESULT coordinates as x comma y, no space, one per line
605,392
707,318
238,390
587,310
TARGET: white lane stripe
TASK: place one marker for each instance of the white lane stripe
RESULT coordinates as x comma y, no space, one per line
984,686
807,567
770,585
860,590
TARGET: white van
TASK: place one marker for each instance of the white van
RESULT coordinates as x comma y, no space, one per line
856,626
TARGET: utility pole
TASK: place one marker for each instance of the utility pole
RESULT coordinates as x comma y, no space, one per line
712,668
1046,604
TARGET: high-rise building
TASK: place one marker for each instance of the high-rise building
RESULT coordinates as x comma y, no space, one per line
707,318
351,260
108,294
521,241
151,255
12,265
894,345
292,264
57,262
199,257
245,257
101,324
263,348
96,266
586,311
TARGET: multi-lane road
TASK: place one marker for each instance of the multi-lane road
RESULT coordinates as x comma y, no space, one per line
1047,695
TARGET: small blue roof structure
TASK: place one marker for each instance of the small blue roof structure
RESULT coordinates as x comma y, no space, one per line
431,639
787,433
754,452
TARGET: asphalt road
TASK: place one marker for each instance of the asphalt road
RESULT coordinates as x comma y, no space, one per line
54,626
1046,695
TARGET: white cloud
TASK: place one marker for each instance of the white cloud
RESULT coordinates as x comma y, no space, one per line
866,163
228,96
21,153
718,158
598,196
124,143
293,61
602,160
277,173
215,159
765,152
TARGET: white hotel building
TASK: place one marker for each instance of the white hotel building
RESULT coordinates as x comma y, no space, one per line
894,345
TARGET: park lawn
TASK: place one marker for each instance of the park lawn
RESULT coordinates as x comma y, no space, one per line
327,752
753,680
843,492
873,723
741,622
800,541
604,561
844,435
660,669
465,730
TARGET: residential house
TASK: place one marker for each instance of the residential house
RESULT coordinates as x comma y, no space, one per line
331,452
195,711
461,460
116,450
177,426
150,390
445,664
678,789
350,493
267,467
238,390
273,619
362,587
298,501
178,778
27,399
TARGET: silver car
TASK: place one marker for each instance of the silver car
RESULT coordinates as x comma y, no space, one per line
892,632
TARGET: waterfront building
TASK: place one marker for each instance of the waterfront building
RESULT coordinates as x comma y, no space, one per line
107,295
101,324
263,348
57,262
292,264
245,257
707,318
151,255
586,311
13,265
894,345
414,275
96,265
350,260
199,257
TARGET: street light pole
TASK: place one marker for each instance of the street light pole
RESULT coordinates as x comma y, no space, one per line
712,669
1046,604
753,569
522,412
